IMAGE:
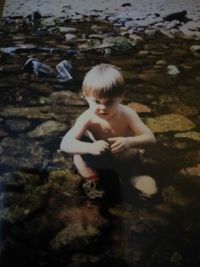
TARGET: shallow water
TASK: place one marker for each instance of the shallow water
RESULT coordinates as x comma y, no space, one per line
41,225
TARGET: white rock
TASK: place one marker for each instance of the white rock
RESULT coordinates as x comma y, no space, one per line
173,24
173,70
70,37
195,49
67,29
136,38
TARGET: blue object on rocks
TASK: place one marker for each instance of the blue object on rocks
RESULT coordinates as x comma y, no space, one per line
64,69
32,65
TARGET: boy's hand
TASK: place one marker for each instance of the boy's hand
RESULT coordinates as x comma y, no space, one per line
118,144
99,147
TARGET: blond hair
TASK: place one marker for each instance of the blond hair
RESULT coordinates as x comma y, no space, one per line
103,81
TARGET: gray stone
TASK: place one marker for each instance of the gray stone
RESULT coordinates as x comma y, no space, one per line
66,98
40,112
17,125
47,128
173,70
195,49
23,153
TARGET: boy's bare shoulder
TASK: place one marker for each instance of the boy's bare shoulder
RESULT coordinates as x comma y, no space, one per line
84,117
127,111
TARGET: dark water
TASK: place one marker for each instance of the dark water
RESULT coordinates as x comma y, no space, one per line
161,231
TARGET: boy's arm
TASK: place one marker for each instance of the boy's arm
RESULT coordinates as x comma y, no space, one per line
71,143
142,135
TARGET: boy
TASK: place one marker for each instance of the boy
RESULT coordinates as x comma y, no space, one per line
107,134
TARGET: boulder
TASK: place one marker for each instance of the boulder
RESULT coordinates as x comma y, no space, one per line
48,128
190,135
170,122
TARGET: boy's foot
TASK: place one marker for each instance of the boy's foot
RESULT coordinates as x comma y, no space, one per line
92,189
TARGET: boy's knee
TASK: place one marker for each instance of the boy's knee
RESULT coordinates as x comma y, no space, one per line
145,184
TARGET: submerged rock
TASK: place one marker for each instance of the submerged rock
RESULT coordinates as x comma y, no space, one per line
75,235
140,108
17,125
119,43
66,98
194,170
173,70
195,49
40,112
48,128
191,135
23,153
174,197
66,179
170,122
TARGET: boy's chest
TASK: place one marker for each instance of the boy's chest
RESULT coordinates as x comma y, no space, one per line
103,129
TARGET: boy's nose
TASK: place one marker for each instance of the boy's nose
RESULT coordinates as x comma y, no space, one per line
102,107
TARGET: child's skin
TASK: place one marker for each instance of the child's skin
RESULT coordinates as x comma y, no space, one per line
112,126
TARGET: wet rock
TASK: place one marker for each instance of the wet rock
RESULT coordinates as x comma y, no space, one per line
96,36
23,153
47,128
70,38
191,135
173,24
193,171
19,179
66,98
153,77
75,235
3,133
161,62
174,197
63,177
173,70
40,112
67,29
119,43
82,258
140,108
12,68
166,99
182,109
170,122
176,16
17,125
135,38
87,215
43,88
195,49
21,196
189,34
48,21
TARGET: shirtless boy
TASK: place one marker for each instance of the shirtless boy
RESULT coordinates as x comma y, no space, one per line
108,132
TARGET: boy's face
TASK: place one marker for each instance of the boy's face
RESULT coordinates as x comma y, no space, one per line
104,107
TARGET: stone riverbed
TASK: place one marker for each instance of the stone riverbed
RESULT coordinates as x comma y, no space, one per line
43,220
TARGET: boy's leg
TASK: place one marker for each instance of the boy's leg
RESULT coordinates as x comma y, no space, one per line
131,169
90,184
85,171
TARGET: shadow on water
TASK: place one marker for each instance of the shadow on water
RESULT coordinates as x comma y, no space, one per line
43,220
